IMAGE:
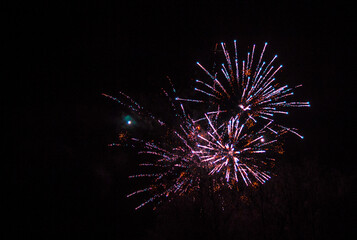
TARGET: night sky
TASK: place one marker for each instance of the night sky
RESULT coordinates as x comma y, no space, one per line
68,184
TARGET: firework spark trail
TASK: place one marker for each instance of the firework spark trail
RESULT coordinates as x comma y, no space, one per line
134,106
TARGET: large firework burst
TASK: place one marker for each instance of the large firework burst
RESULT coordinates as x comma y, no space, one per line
247,88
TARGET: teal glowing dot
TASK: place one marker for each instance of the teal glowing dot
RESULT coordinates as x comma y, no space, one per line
129,121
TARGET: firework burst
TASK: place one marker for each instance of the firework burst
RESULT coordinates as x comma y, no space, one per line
239,150
247,88
173,167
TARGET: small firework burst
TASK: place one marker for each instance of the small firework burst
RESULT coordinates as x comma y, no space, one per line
175,169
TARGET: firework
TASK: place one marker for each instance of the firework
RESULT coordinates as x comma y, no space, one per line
247,88
236,139
175,168
239,150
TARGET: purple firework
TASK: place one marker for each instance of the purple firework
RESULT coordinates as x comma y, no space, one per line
235,140
239,150
173,167
247,88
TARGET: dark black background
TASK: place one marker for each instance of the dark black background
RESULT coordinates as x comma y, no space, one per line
69,185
